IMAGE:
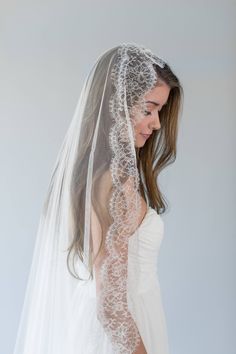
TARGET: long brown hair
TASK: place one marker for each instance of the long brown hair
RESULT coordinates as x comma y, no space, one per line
158,152
160,149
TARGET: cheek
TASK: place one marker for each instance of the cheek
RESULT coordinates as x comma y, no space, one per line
139,121
140,126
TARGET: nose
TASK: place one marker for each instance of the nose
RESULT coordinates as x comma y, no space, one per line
156,121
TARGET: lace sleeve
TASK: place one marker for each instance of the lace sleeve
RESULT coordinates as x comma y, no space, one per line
111,273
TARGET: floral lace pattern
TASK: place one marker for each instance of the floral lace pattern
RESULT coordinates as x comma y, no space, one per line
132,76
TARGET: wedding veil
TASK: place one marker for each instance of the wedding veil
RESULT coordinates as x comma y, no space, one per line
74,302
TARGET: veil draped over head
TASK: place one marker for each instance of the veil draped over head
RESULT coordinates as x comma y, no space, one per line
76,298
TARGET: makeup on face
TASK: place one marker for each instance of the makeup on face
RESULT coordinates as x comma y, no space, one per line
145,136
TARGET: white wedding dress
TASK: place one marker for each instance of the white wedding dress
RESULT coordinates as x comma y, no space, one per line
85,334
144,297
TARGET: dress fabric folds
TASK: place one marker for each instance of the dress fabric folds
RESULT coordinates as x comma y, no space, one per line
144,297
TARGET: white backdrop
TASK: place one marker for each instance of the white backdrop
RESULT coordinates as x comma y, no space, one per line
46,50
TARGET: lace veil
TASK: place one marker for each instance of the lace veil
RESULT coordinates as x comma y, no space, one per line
93,200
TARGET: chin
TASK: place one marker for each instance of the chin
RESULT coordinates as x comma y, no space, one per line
140,140
139,144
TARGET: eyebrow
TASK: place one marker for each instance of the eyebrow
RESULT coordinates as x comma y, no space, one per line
155,103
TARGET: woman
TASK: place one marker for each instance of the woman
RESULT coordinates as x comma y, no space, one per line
93,286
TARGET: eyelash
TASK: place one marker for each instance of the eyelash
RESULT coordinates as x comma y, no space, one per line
147,112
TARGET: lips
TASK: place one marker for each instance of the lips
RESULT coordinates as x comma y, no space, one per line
146,136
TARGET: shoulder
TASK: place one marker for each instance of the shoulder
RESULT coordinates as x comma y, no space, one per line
127,188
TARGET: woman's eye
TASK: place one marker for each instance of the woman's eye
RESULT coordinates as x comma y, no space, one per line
146,113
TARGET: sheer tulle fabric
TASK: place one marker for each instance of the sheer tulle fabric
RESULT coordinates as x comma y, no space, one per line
94,191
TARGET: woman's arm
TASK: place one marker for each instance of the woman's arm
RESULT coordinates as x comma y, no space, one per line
110,314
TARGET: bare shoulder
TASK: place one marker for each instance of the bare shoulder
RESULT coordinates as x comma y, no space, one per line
128,188
106,185
105,180
144,208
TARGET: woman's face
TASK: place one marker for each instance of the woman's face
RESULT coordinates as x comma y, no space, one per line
147,121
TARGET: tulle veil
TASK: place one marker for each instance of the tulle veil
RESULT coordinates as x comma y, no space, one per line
93,196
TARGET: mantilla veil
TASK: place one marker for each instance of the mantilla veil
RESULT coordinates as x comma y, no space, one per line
76,297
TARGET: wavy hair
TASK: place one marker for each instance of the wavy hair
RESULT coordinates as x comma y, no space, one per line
158,152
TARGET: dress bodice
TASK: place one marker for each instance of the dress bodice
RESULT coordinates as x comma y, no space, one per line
143,252
143,288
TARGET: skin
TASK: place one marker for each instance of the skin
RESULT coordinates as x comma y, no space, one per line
149,120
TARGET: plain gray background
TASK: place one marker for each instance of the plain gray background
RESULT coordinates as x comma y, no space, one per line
46,50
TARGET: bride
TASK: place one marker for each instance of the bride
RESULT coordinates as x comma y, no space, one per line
93,285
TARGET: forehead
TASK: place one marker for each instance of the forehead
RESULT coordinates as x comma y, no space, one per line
158,94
